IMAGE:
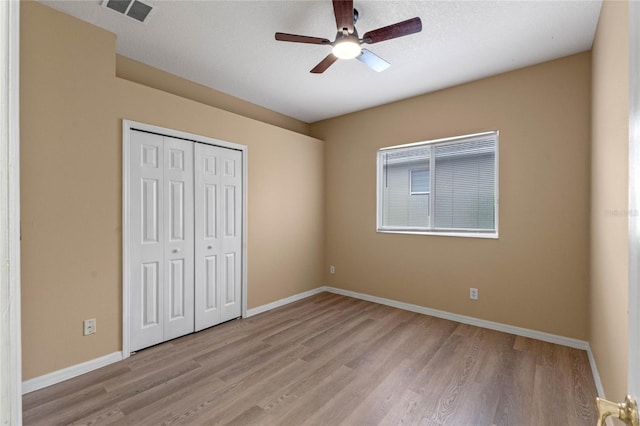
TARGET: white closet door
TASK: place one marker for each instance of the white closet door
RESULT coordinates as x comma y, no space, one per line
162,276
146,239
178,230
207,189
185,242
218,238
231,226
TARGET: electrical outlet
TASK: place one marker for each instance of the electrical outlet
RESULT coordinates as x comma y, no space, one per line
89,326
473,293
332,269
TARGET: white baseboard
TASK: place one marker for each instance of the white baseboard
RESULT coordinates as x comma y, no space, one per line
264,308
596,375
69,372
518,331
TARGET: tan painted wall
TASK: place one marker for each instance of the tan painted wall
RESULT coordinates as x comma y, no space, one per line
536,274
138,72
71,110
609,203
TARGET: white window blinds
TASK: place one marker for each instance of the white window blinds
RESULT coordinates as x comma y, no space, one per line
465,186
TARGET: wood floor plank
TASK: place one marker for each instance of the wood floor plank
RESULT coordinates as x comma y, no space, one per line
550,389
62,403
72,410
387,394
449,398
331,360
254,387
80,383
251,416
304,402
105,417
169,390
515,389
489,378
583,387
369,374
108,416
407,412
174,405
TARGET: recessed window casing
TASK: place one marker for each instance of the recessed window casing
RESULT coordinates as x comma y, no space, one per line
441,187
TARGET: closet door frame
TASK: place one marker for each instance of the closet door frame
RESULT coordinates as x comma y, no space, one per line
127,127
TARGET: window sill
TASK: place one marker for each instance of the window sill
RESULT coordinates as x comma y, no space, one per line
488,235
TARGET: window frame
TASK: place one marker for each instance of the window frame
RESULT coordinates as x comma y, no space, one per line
450,232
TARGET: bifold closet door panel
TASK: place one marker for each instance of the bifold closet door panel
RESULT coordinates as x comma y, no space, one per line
146,198
179,238
218,243
207,243
161,224
231,229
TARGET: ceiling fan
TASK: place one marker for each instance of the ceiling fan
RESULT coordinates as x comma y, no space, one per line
347,44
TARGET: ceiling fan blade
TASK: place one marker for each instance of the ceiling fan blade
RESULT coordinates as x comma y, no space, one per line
374,61
343,9
301,39
324,64
410,26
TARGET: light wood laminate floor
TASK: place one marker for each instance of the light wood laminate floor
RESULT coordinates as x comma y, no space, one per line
329,360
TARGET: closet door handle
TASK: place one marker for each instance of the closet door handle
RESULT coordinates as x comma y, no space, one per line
176,250
209,247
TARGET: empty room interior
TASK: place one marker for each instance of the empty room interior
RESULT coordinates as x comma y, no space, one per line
487,285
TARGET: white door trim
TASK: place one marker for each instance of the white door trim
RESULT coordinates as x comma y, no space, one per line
10,345
127,127
634,200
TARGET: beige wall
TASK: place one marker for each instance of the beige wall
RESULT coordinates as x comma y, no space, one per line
72,105
609,203
138,72
536,274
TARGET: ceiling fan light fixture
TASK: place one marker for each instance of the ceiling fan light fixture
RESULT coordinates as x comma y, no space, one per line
347,49
347,42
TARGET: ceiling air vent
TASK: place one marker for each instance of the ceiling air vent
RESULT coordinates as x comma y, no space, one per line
132,8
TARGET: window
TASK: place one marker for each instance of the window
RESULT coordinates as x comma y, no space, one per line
445,187
419,181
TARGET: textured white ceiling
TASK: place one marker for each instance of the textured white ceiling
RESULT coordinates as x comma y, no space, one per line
230,46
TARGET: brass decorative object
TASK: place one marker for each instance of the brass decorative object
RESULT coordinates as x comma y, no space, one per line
626,411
